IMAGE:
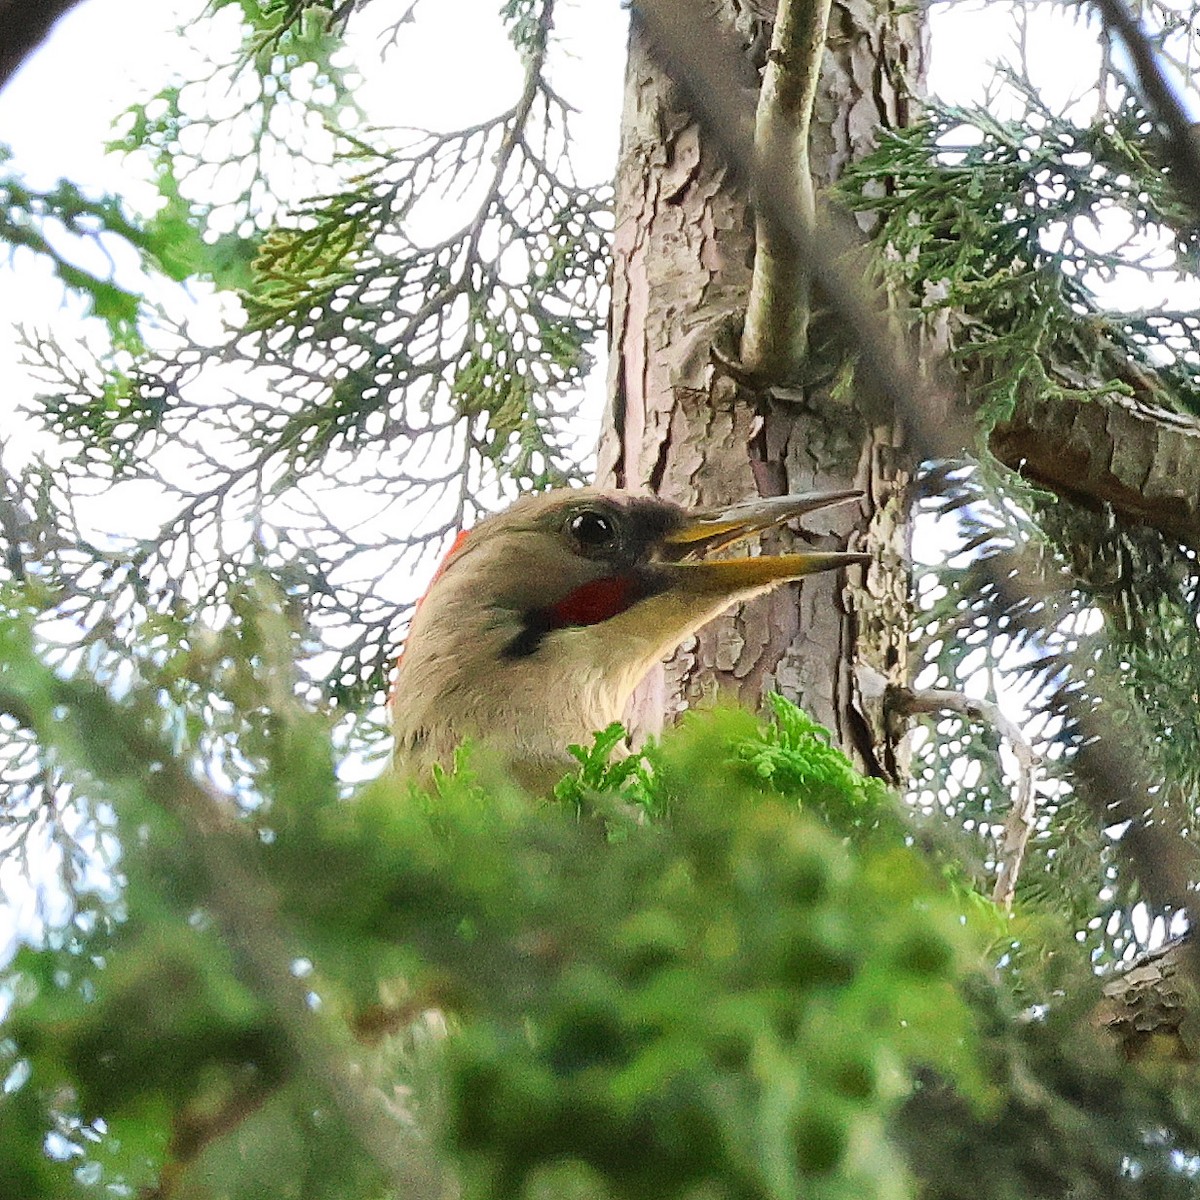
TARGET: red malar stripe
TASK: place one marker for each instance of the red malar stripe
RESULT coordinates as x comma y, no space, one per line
595,602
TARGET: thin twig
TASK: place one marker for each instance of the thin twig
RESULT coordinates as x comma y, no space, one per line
193,1130
1022,815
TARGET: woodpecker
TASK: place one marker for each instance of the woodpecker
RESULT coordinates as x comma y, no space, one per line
543,619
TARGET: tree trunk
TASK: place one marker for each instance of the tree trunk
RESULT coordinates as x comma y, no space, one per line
683,424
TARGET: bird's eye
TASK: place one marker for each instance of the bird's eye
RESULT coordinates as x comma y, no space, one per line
592,531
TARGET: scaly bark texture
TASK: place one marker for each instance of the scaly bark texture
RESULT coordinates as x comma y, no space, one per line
681,424
1121,450
1149,1008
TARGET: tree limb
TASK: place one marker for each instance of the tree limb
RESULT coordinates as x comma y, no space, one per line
1142,459
937,418
1128,452
1183,138
1147,1006
775,334
700,57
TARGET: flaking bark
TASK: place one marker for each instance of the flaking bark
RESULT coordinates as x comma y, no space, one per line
1149,1008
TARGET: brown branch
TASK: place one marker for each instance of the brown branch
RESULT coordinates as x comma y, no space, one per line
1147,1007
1128,452
24,25
1141,459
195,1127
775,334
1022,814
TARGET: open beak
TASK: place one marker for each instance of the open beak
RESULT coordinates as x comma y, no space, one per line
709,531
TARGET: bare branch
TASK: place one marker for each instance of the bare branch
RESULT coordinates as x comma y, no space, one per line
1146,1008
1142,459
1183,136
700,56
775,335
1022,815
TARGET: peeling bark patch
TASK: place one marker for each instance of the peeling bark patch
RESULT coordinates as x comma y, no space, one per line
684,166
770,475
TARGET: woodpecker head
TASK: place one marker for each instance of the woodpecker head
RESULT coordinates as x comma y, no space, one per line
544,618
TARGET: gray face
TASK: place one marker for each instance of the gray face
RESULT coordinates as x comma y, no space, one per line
616,543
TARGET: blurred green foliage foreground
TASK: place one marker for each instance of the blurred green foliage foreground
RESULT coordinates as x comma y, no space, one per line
730,973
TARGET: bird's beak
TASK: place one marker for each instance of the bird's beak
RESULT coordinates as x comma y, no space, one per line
708,531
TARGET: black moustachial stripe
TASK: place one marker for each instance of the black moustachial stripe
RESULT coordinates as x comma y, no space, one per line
534,627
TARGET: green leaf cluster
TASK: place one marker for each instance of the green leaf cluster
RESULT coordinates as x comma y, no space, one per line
1011,238
1005,231
1092,594
420,310
730,995
726,971
48,221
286,70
